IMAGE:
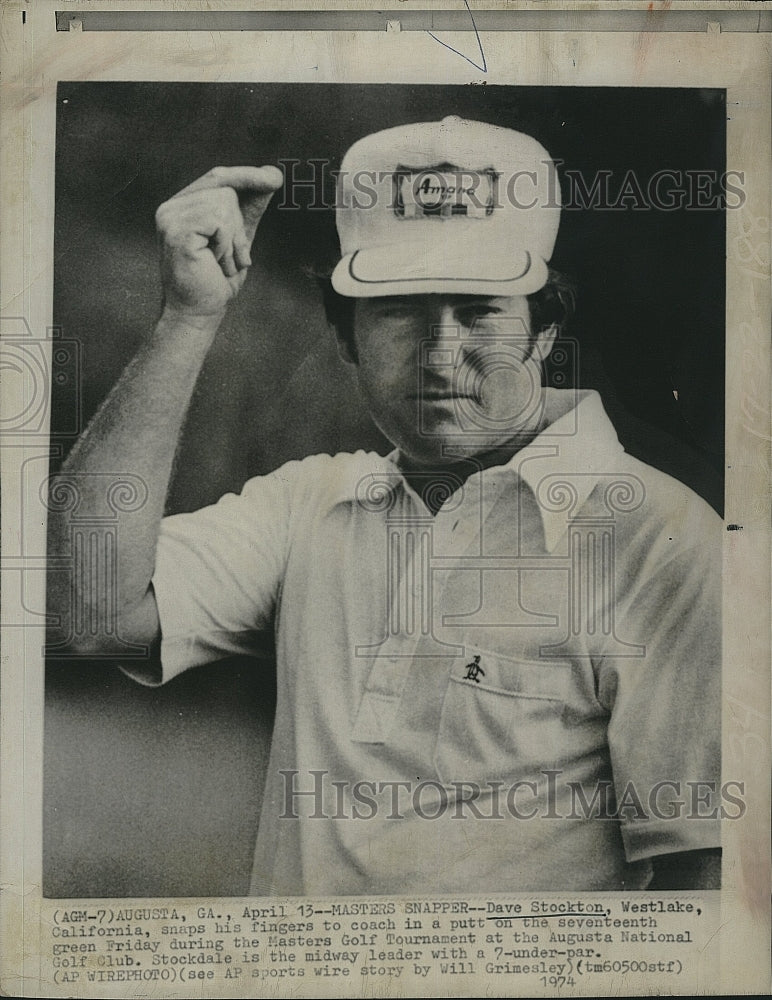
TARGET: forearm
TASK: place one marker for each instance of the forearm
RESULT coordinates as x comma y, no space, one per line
106,504
132,438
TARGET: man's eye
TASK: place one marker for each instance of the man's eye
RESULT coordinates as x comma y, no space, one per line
477,314
397,312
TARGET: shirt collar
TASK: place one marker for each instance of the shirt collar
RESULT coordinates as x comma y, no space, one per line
577,445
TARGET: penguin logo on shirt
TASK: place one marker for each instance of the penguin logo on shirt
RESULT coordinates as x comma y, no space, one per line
473,670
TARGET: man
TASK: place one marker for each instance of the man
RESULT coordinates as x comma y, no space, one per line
496,647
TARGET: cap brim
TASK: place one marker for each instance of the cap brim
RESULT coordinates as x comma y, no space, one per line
405,269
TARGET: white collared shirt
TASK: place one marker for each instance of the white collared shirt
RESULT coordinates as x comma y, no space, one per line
452,689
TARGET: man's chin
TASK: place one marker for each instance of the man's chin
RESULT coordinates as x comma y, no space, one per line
440,451
435,451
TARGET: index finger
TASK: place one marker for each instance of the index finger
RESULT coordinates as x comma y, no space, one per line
253,185
257,180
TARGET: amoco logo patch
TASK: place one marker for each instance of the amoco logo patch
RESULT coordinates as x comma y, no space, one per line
444,192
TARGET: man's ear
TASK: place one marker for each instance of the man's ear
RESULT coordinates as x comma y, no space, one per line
346,347
344,323
544,342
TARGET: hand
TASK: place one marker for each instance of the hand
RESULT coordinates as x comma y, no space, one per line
206,232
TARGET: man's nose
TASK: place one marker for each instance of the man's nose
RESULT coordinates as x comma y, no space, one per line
443,323
442,314
442,351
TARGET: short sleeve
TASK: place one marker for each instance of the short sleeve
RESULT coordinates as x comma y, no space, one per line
218,572
665,705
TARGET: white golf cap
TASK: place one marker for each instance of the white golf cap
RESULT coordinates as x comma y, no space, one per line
453,206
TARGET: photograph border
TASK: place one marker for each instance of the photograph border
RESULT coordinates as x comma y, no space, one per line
40,57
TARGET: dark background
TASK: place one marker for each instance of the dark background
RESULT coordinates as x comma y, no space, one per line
157,792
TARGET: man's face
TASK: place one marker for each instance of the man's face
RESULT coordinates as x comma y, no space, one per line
449,375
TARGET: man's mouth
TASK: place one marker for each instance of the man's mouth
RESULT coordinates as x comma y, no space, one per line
440,395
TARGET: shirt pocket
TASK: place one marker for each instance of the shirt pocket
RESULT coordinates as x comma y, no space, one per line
501,718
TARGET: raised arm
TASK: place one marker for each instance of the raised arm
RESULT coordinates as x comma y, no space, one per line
205,232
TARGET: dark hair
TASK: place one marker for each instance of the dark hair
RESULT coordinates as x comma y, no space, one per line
552,305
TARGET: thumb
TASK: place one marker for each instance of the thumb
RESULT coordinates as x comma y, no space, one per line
254,199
